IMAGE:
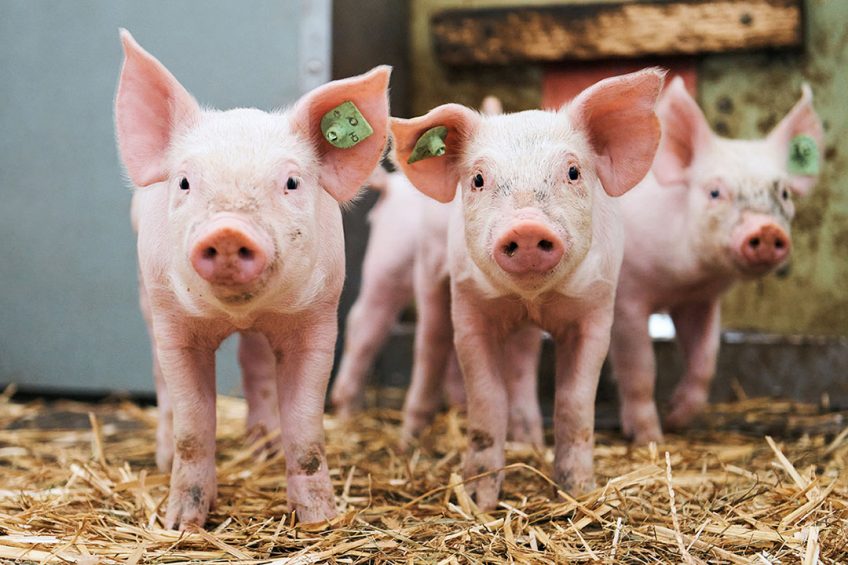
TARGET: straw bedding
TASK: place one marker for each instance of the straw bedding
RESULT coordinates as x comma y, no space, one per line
78,484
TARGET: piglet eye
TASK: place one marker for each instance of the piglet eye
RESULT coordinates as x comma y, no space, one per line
292,183
785,194
478,180
715,193
184,184
573,173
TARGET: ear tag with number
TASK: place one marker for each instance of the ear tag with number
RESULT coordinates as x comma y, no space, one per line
803,156
344,126
430,144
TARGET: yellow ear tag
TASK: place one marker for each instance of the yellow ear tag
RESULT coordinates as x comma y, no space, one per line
344,126
430,144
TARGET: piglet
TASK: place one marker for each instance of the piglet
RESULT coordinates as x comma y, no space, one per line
534,240
406,256
713,212
239,230
387,288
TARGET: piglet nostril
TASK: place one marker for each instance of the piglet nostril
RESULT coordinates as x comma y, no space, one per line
245,253
210,253
545,245
754,242
778,243
511,248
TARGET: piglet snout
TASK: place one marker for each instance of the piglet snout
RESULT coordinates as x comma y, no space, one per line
528,247
766,246
227,254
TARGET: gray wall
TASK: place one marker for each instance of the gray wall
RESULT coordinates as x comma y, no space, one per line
69,317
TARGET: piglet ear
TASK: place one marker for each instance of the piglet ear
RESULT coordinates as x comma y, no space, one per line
784,139
491,106
685,134
331,116
428,148
150,107
617,116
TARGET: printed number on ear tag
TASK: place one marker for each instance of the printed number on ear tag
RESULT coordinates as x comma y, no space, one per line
344,126
430,144
803,156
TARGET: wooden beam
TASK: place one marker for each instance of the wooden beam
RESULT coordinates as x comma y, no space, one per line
634,28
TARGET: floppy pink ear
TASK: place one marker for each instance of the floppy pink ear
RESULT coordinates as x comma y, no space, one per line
685,133
617,115
150,107
801,120
345,170
436,177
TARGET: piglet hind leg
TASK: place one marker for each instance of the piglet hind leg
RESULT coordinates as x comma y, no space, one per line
634,367
432,350
259,380
189,373
580,353
698,333
480,355
368,325
304,352
454,389
165,420
521,367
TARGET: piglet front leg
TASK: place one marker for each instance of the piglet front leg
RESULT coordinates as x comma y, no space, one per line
698,333
580,352
189,373
479,349
304,350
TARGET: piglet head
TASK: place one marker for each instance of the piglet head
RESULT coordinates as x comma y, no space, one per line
249,194
739,198
529,180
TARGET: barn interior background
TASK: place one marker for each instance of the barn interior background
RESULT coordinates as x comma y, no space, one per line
70,320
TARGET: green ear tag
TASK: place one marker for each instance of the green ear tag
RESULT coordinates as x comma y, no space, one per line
430,144
344,126
803,156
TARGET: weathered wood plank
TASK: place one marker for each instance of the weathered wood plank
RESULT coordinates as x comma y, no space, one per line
623,29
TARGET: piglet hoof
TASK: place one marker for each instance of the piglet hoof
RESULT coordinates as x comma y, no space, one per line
575,483
347,411
311,497
526,430
687,405
641,423
191,498
263,440
485,490
346,403
414,424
